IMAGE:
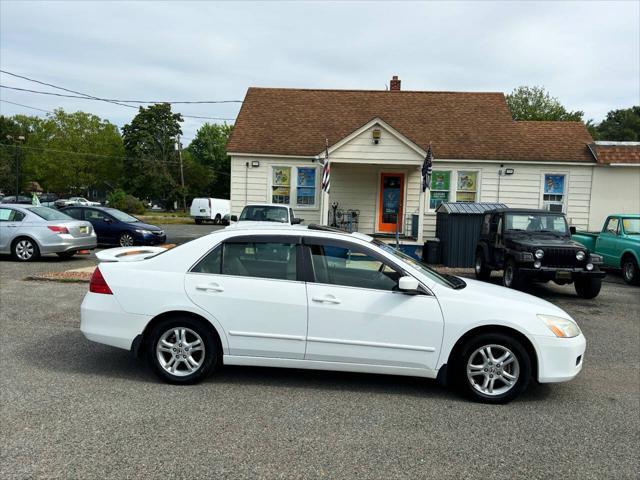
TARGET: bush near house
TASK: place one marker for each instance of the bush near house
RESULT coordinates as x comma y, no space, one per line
127,203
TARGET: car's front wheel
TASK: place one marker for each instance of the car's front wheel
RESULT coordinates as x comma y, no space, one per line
511,277
482,272
25,250
588,287
126,239
493,368
182,350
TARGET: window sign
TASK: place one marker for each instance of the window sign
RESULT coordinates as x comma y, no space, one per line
467,186
281,185
553,192
440,186
306,186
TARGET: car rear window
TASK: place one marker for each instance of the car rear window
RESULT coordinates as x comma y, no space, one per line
49,213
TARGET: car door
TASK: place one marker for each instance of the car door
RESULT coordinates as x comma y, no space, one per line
606,242
251,286
357,315
103,224
10,227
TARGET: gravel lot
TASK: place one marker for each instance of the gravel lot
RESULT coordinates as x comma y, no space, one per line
75,409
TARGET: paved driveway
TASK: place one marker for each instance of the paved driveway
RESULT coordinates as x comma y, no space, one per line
74,409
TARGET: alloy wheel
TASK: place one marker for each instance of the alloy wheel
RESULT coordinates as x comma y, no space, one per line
126,240
493,370
180,351
24,249
508,276
628,271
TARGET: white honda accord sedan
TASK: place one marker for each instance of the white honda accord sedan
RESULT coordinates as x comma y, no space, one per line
315,298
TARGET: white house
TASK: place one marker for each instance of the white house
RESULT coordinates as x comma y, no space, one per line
377,142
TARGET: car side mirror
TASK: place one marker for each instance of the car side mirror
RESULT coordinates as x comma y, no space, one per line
408,284
107,220
234,218
296,221
572,230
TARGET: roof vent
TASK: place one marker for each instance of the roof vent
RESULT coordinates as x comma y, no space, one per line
394,86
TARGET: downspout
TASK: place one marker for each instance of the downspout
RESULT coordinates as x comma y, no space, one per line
246,183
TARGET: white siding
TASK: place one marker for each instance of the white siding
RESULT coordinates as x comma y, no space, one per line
615,190
361,149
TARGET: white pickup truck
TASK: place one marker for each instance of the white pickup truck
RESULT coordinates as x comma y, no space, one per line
266,212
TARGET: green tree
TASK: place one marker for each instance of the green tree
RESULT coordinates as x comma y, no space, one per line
535,103
152,163
620,125
209,149
9,130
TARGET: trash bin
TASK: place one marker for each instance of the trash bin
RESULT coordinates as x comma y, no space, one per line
432,251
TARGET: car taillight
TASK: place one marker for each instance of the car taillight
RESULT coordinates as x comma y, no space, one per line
58,228
98,284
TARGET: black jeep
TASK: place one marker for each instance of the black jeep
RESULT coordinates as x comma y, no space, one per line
535,245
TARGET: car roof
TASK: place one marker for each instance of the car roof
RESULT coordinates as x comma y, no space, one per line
258,228
624,215
279,205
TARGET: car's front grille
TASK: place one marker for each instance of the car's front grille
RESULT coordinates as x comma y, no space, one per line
159,233
560,257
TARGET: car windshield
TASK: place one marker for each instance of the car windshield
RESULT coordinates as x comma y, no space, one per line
121,216
263,213
536,222
446,280
49,213
631,226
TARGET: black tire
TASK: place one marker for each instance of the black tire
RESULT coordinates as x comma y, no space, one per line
198,221
480,267
126,240
66,255
210,355
630,271
511,277
588,287
217,220
521,368
24,249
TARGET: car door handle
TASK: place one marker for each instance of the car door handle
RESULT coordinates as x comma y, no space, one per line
326,299
12,226
210,287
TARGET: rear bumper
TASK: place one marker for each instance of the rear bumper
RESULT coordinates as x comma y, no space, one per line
67,243
559,359
102,320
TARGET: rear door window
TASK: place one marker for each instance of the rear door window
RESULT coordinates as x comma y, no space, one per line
74,213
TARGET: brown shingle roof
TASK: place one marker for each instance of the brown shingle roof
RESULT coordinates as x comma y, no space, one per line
617,153
459,125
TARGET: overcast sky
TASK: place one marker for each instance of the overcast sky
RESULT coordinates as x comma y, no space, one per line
585,53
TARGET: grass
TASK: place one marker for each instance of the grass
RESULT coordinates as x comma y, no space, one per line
172,218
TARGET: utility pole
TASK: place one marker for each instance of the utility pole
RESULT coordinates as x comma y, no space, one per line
184,195
19,138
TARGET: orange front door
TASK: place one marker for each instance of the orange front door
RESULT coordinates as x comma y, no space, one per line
390,202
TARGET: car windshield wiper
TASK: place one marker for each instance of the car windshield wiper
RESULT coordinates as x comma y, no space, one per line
515,230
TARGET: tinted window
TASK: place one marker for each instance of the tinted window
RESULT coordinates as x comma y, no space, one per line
262,213
49,213
74,213
93,215
262,260
351,267
211,263
123,217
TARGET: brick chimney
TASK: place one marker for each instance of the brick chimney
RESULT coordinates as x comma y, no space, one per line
394,85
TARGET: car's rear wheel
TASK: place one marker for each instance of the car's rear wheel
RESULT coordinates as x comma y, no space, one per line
493,368
126,239
217,220
482,272
25,250
588,287
198,221
511,277
630,271
182,350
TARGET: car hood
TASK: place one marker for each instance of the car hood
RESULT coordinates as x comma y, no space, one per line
144,226
545,241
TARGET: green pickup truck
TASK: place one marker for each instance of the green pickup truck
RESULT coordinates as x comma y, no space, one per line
618,243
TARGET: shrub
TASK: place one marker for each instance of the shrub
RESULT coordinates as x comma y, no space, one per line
125,202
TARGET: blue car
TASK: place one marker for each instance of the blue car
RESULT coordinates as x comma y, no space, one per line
114,227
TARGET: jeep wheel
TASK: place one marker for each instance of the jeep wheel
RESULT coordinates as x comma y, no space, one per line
511,277
630,271
588,287
482,272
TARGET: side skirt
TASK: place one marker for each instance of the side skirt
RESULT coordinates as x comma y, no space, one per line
332,366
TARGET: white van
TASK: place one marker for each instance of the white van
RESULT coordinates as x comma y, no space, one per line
214,210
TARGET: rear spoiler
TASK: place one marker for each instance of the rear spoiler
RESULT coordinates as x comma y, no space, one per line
128,254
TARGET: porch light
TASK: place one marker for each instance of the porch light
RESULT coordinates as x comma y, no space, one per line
376,134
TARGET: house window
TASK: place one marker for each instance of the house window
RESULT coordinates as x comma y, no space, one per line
306,187
281,185
440,186
467,186
553,192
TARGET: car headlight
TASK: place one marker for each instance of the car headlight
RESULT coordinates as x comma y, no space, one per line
539,254
580,255
143,232
561,327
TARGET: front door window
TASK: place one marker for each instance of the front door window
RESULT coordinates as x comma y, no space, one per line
390,208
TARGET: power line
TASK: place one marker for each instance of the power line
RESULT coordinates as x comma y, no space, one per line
26,106
115,100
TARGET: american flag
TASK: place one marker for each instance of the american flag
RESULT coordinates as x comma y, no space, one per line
326,170
427,168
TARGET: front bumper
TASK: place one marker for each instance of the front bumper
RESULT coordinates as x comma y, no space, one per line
559,273
150,239
559,359
68,243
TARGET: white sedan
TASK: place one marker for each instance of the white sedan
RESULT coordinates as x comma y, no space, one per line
314,298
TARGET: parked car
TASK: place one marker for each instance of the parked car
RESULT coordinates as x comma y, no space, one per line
618,243
115,227
48,200
535,245
267,212
22,200
210,210
28,231
316,298
72,201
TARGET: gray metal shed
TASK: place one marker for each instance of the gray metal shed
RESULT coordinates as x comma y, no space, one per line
458,228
